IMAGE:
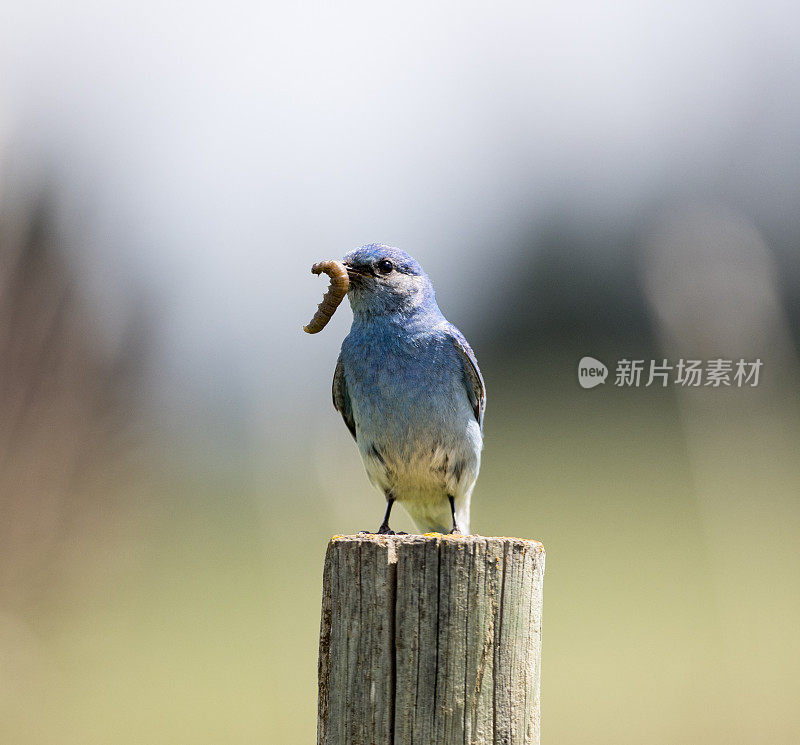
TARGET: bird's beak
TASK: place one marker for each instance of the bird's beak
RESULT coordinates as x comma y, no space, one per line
355,275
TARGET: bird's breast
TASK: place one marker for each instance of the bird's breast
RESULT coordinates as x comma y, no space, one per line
405,387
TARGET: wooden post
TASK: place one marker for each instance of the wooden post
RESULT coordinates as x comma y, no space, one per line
430,640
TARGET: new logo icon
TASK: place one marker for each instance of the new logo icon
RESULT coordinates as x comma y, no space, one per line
591,372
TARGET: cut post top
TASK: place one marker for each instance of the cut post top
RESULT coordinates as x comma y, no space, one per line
528,544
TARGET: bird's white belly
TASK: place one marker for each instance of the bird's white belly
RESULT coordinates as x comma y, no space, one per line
421,471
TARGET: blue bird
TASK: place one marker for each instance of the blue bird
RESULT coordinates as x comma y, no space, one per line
409,389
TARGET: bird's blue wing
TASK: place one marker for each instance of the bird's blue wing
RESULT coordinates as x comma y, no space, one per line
341,398
473,380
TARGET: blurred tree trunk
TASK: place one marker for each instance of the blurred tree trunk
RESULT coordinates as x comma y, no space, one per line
66,401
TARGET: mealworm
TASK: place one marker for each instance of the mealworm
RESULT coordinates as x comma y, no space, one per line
334,295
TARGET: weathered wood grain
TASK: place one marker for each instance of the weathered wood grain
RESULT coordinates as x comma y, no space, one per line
430,640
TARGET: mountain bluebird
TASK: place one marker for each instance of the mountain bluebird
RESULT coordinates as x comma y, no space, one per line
409,389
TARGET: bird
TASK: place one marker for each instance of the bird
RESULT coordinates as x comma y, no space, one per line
408,387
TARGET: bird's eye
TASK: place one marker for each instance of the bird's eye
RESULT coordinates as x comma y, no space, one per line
385,266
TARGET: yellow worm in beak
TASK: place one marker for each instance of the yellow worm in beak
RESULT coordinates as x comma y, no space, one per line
331,299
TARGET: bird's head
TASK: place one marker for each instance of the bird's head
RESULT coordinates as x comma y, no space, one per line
385,281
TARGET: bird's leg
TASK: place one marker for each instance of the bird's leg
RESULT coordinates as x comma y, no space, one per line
385,529
455,530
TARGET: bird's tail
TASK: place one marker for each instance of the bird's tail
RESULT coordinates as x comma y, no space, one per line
430,517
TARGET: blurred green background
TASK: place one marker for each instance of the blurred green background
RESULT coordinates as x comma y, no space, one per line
620,181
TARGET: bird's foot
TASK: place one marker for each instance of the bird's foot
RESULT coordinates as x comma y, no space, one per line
383,530
455,531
